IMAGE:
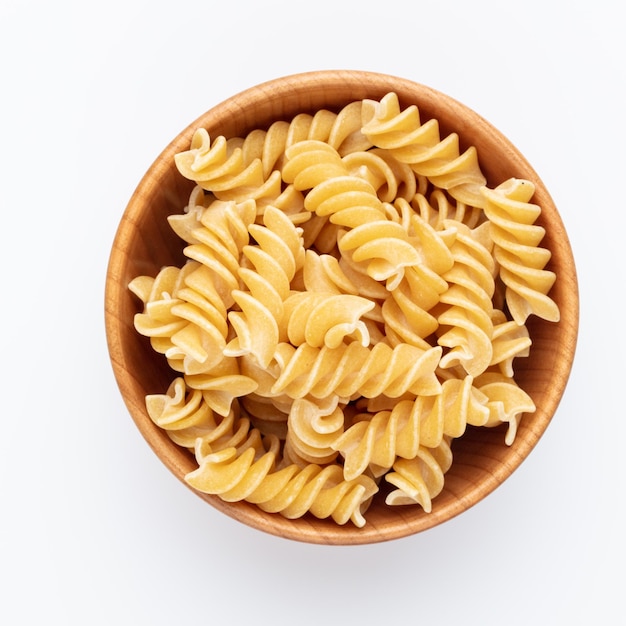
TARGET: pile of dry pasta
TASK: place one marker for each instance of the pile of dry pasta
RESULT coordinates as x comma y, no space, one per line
354,296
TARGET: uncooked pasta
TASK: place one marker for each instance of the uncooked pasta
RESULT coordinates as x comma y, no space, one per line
354,298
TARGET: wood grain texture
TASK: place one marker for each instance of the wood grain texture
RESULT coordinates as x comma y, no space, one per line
144,243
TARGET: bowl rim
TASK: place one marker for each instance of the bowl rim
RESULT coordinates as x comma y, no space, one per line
235,109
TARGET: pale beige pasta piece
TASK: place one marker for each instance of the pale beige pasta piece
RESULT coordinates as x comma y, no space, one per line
351,202
340,130
506,400
217,165
421,479
522,261
352,369
466,325
275,258
509,340
375,441
346,200
218,243
385,247
311,162
233,472
323,492
458,405
420,146
249,472
190,331
225,169
157,321
408,312
327,319
185,416
249,167
221,385
312,429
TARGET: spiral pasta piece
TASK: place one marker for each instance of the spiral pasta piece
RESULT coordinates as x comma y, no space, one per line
182,324
276,257
186,416
249,167
506,400
351,202
421,479
448,414
509,340
373,237
408,312
522,262
249,472
340,130
376,440
217,244
222,384
466,325
324,493
218,166
420,146
327,319
351,369
312,429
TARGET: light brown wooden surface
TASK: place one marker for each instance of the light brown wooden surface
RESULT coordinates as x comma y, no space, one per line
144,243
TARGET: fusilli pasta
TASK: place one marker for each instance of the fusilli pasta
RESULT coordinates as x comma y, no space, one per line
516,238
353,299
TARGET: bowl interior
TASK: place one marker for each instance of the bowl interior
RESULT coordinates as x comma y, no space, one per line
144,243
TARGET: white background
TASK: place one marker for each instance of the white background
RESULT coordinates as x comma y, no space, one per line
94,530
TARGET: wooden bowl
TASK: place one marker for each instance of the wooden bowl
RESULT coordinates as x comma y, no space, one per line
144,243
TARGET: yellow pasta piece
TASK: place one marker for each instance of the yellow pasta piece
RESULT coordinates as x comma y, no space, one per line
375,441
354,369
509,341
276,257
421,479
506,401
466,325
420,146
521,260
312,429
186,416
248,473
322,319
